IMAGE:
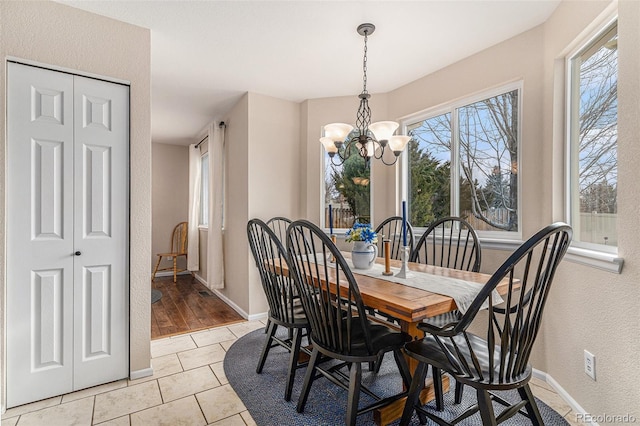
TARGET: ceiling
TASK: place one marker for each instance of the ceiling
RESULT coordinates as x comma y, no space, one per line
206,54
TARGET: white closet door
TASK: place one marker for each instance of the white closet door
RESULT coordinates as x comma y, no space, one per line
101,157
39,234
67,233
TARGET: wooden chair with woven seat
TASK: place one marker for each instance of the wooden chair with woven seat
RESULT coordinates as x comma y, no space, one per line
450,242
178,248
285,309
340,328
500,360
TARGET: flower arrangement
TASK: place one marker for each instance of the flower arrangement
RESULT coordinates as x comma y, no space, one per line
362,232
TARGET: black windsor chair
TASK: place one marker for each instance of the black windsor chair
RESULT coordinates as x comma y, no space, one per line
450,242
500,361
391,229
279,226
284,307
340,328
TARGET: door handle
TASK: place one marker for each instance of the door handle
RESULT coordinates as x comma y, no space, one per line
78,253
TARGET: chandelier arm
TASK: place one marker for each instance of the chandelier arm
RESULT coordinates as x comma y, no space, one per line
395,160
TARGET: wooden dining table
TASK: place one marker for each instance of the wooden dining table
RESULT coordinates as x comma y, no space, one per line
409,306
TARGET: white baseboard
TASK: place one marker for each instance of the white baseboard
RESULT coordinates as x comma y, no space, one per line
257,317
564,395
230,302
139,374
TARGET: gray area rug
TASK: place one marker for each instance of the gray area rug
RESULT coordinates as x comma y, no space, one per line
155,295
263,394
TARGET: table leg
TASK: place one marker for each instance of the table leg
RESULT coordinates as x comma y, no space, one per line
393,411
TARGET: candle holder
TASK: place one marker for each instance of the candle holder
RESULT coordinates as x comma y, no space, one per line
404,257
387,258
332,258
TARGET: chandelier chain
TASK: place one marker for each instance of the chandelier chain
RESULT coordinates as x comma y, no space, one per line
364,65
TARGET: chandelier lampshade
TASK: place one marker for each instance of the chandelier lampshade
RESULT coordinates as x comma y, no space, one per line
369,140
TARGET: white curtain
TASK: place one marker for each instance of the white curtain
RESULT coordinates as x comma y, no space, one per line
193,248
215,261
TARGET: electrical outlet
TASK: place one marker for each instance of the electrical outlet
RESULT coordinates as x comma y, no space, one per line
169,257
590,364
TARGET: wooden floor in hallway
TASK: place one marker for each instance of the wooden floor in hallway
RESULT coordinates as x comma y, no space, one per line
187,306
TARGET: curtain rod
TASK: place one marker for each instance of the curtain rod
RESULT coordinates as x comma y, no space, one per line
221,125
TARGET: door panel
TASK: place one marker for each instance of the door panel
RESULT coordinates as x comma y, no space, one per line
39,234
97,312
101,229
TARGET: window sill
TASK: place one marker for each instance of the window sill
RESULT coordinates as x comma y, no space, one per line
203,227
609,262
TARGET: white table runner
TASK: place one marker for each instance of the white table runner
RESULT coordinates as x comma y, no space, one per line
463,292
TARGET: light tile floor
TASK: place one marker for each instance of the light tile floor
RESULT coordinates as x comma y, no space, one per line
188,387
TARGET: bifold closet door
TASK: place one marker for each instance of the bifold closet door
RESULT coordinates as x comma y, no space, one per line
67,233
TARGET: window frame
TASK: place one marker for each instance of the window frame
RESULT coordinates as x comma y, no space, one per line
452,108
583,45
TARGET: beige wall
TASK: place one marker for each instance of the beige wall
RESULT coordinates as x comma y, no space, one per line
170,186
58,35
588,308
236,260
263,144
591,309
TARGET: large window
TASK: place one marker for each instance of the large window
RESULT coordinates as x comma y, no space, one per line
204,189
463,161
593,139
347,190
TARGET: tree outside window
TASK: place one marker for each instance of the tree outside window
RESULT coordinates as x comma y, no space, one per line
465,162
347,190
593,141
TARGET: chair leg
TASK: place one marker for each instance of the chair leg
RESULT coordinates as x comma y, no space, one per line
308,380
403,367
293,362
267,346
355,379
459,391
417,384
175,268
153,277
266,328
486,409
374,366
532,407
437,388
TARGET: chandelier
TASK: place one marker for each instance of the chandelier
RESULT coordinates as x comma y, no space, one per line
369,140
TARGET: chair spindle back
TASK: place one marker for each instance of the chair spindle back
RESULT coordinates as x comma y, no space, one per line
391,229
512,327
271,258
332,313
450,242
279,226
